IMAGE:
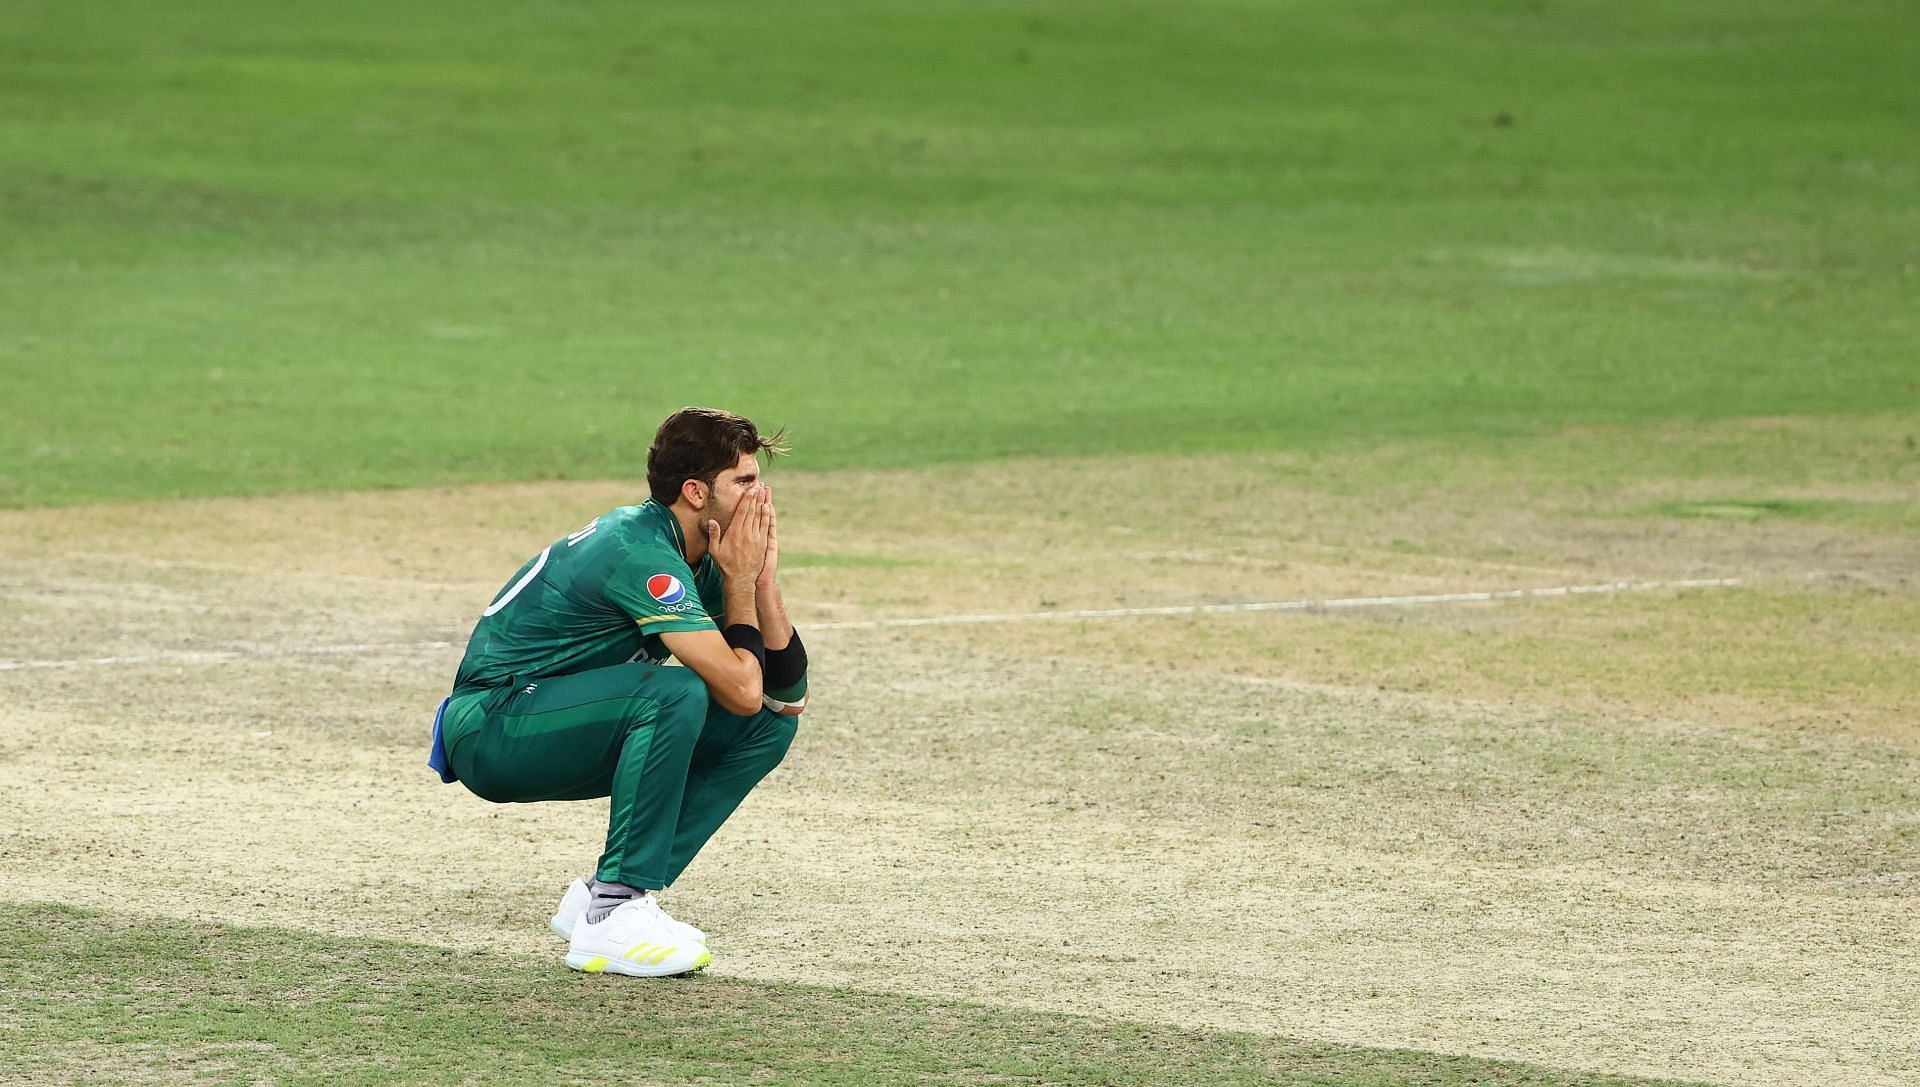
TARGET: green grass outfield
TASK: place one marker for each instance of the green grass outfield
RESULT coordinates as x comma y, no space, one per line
1480,265
247,1005
250,248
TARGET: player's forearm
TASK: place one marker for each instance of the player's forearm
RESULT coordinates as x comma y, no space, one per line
774,625
786,672
743,695
745,683
740,601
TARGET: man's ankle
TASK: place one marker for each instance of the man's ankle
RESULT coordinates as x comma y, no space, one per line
608,897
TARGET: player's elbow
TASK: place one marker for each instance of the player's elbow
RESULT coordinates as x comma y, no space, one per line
741,699
794,708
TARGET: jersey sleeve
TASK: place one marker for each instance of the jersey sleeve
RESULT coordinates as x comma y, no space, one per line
712,588
657,592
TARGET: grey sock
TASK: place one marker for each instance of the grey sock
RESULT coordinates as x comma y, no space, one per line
607,897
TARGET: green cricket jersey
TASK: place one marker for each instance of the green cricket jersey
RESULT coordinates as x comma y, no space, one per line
599,597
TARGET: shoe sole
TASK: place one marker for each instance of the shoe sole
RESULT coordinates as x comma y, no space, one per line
602,964
564,929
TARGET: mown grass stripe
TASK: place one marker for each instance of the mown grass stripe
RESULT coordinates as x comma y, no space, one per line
105,997
457,242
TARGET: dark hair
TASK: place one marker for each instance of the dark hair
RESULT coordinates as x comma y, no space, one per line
701,443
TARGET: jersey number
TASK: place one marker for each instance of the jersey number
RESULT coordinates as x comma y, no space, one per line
507,596
538,563
532,572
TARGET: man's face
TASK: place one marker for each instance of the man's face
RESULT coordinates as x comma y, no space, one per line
730,486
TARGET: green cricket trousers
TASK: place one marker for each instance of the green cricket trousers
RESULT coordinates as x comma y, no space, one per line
642,734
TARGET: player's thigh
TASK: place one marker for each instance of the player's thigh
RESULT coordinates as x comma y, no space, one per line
561,737
723,733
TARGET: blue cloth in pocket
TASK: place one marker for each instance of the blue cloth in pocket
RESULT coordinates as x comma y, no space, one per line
437,754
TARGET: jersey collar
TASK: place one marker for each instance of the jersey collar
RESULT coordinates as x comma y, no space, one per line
673,526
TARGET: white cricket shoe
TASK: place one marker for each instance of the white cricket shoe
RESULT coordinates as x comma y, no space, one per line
578,898
572,905
637,939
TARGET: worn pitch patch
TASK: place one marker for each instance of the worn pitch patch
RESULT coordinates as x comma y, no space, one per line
1148,825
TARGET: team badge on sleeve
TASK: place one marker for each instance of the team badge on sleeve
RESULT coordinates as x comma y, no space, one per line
666,588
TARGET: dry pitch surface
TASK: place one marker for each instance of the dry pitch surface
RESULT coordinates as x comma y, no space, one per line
1668,833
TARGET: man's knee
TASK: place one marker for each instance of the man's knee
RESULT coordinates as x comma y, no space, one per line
779,732
677,698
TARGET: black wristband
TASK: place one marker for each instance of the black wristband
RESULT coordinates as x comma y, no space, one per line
742,636
786,666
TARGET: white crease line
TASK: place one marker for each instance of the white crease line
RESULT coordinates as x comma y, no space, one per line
1283,605
221,656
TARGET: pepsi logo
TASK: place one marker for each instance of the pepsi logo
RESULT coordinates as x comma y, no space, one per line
666,588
